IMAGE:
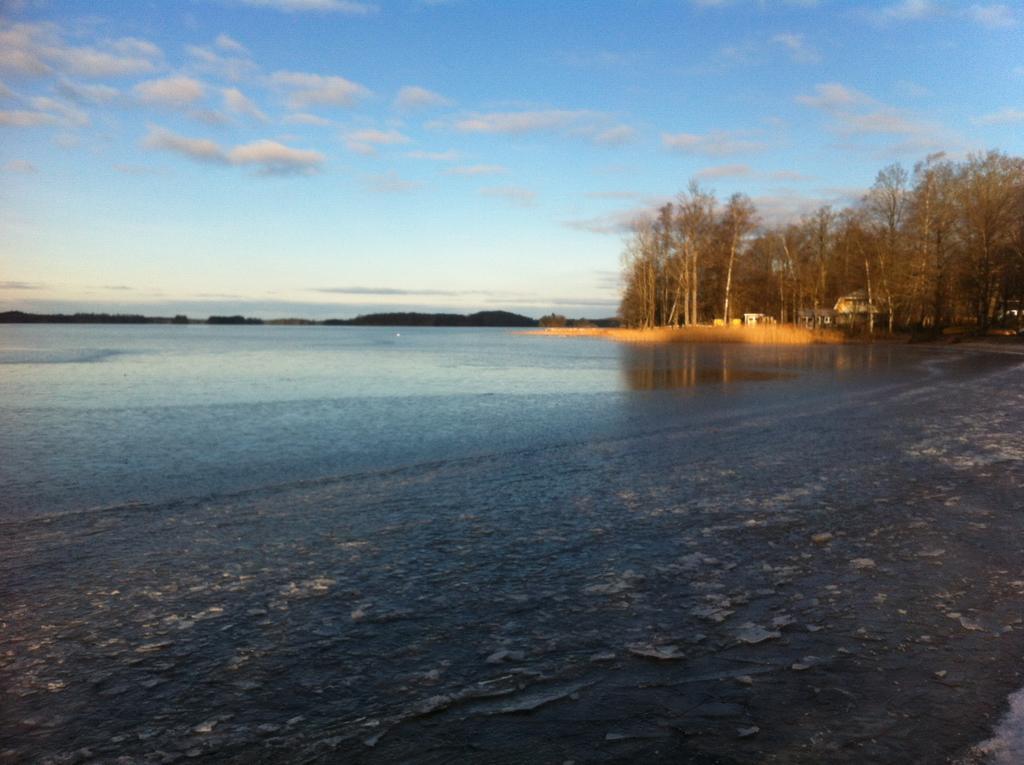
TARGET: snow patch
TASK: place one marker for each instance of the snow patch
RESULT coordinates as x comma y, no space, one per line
1006,747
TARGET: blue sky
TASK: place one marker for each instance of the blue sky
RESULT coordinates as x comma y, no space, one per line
333,157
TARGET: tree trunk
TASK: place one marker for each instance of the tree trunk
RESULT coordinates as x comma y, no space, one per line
728,279
871,302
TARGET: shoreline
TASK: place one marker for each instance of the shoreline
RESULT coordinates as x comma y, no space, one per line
779,335
772,334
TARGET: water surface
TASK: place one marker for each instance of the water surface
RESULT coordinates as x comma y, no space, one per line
96,416
263,544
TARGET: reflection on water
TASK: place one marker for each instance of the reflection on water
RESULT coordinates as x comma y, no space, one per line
657,367
653,378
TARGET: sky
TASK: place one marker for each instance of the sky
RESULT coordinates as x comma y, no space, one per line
327,158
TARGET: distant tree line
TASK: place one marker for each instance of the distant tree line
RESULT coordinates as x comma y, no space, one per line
232,320
407,319
20,317
401,319
556,320
940,245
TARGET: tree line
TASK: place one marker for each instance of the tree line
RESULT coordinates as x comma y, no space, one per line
940,245
479,319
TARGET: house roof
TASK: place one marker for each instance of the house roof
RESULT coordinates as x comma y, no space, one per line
855,302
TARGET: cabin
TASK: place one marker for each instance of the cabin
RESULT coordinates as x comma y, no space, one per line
855,310
753,319
1011,310
816,318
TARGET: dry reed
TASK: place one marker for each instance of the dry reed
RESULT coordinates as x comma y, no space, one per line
765,334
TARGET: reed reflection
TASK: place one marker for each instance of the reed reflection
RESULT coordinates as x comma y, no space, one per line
686,365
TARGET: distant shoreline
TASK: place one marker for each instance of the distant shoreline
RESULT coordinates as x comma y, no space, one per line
396,319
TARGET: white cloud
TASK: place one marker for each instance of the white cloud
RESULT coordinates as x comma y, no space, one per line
615,136
20,166
391,183
995,16
1002,117
68,115
24,119
718,143
434,156
517,123
89,62
200,149
305,90
789,175
231,67
229,44
832,96
236,101
413,97
856,115
21,48
21,62
616,222
273,158
746,171
268,157
760,3
614,195
176,92
133,46
581,123
347,7
799,51
366,141
37,49
909,10
87,94
302,118
471,170
883,121
513,194
725,171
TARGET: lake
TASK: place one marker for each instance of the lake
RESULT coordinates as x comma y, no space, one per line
100,416
378,545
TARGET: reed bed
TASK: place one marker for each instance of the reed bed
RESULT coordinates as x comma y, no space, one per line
769,334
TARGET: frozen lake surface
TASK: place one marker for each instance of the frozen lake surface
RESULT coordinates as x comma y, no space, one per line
286,544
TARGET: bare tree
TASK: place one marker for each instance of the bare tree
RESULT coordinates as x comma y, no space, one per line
989,186
948,247
639,303
886,205
739,219
694,223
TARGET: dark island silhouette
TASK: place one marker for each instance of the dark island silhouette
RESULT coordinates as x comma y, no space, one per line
397,319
